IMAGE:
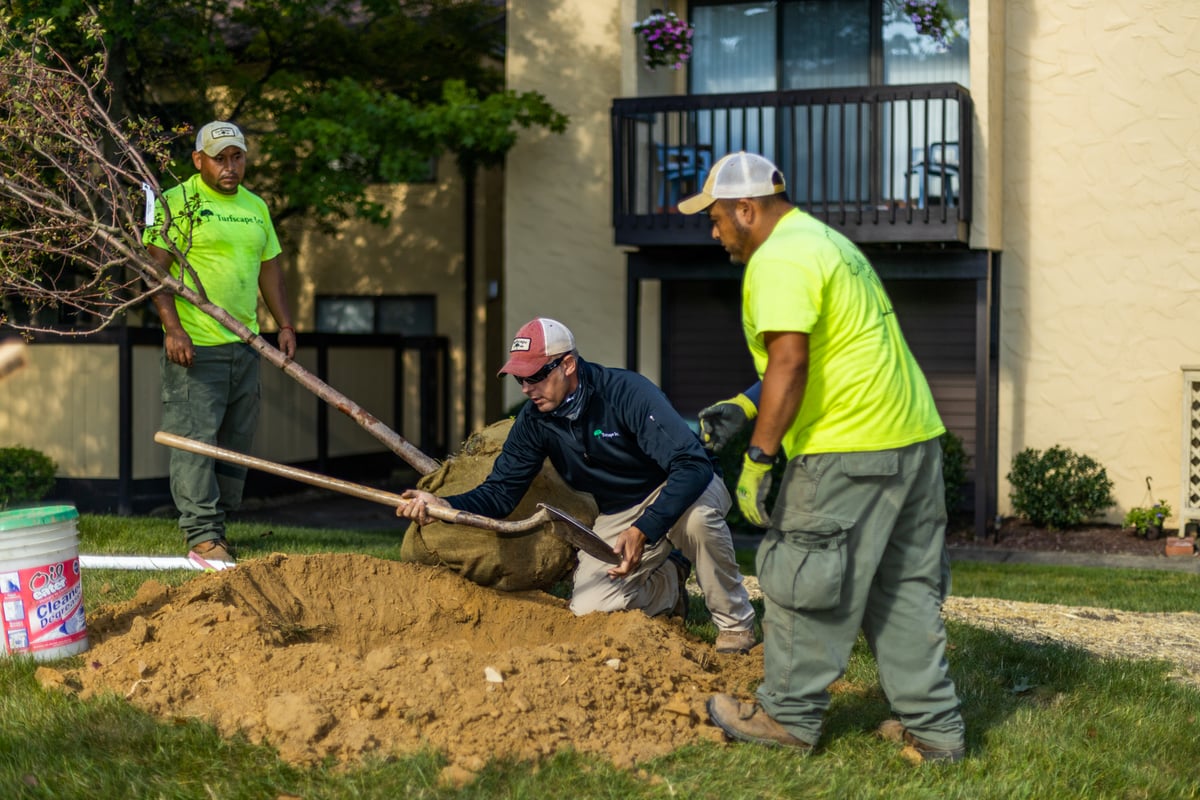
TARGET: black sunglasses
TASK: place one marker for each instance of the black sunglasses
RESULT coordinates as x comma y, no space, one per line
541,374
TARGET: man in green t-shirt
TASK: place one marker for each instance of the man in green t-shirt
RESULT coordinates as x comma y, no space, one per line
210,386
856,539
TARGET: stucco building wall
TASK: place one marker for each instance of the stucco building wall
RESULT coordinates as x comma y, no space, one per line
560,260
1101,265
420,251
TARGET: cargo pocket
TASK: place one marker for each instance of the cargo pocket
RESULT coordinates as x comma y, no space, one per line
802,567
882,464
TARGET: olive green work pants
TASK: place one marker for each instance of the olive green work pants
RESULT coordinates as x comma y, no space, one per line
214,401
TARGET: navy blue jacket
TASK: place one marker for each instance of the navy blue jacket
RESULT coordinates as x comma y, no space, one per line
623,443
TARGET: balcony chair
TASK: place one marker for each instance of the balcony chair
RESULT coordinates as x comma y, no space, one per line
939,161
682,170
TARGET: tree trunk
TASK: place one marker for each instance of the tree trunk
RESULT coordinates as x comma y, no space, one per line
394,441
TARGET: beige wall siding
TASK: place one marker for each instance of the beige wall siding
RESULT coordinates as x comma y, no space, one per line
559,253
287,412
149,457
987,94
64,403
1101,263
421,251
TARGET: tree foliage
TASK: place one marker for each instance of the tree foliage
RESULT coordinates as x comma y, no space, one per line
74,182
335,94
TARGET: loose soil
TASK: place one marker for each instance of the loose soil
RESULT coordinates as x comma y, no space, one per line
345,656
341,656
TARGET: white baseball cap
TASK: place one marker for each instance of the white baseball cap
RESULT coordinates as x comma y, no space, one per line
735,176
216,136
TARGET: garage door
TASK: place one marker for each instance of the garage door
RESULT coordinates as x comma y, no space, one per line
705,357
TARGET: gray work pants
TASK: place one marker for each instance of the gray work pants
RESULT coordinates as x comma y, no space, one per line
857,541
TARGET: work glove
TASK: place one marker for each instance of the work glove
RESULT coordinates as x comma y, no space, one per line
722,421
752,488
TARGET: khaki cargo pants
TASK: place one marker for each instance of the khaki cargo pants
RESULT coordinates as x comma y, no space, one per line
701,534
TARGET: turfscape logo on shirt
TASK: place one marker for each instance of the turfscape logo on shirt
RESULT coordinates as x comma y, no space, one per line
205,213
600,434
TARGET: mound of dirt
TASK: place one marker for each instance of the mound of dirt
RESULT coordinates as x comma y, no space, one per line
344,655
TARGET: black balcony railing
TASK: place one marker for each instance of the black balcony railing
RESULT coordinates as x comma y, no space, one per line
880,163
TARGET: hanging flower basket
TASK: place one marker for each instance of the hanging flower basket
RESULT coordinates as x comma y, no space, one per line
666,40
932,18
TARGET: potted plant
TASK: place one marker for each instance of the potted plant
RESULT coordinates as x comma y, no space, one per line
1148,521
666,40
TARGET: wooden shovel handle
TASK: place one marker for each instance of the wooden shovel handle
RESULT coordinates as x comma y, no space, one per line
451,515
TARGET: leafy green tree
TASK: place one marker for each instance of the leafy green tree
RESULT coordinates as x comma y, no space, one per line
74,184
335,94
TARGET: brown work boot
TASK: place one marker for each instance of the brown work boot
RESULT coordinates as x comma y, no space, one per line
893,730
214,550
735,641
750,723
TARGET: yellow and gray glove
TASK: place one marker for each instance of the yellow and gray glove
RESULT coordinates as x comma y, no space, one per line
753,486
722,421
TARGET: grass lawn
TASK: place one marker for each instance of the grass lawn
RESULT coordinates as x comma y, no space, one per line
1042,721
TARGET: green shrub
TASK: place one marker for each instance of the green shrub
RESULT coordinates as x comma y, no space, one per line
25,475
1058,488
954,470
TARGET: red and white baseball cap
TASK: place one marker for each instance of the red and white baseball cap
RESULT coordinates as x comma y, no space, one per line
538,343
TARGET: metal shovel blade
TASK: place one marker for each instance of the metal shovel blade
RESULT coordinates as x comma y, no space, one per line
581,536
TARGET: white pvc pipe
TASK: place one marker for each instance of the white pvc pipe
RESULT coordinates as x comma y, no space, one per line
149,563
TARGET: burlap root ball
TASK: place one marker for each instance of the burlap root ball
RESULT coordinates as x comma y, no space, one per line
510,562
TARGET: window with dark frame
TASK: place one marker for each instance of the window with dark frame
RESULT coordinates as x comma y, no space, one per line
405,315
772,45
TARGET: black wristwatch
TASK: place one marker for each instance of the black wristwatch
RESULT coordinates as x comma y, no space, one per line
756,455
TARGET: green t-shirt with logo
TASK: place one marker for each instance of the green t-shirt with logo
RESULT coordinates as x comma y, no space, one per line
225,238
865,391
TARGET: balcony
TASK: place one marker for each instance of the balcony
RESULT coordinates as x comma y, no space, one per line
882,164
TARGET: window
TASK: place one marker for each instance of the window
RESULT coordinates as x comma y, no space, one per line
812,44
406,315
824,44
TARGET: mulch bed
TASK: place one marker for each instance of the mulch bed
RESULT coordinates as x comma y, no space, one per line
1017,534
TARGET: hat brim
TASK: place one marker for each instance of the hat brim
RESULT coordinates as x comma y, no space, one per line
696,203
221,149
524,364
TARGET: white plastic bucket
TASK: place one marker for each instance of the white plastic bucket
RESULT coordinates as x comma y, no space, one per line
41,596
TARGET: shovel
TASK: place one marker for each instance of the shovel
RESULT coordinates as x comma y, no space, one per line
573,532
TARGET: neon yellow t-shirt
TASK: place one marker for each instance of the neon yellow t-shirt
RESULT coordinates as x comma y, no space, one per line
865,390
230,237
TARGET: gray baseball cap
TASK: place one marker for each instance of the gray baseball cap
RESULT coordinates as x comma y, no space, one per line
216,136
